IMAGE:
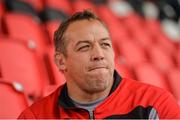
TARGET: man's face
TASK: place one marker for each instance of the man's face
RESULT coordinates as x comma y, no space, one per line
89,64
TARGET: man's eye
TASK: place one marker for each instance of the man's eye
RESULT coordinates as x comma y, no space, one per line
106,45
84,48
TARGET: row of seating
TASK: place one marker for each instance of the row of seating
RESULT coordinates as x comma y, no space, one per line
20,64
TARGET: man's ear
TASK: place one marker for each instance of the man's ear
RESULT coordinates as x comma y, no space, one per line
60,61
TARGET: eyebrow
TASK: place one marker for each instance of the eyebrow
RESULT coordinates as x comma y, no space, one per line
87,41
83,41
106,38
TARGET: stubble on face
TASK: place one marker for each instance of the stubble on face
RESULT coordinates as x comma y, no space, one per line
89,76
98,81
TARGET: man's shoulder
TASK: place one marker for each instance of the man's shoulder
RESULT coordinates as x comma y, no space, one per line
42,106
137,87
53,97
144,94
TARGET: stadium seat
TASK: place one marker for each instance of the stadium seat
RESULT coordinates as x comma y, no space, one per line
178,57
1,15
51,26
2,9
20,64
140,32
49,89
132,53
118,36
1,31
20,6
117,30
133,21
64,5
52,18
174,82
25,28
12,100
166,43
161,59
147,73
143,39
107,16
57,78
79,5
153,27
124,70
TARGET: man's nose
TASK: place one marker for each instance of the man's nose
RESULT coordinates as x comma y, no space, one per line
97,53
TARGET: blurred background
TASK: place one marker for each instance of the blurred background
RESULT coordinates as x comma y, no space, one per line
145,36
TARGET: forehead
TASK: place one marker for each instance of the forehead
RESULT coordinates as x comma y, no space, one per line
85,30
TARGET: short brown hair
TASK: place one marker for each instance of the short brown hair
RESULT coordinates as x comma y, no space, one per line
59,42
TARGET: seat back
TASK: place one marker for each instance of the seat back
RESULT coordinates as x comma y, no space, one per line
147,73
19,63
12,100
26,28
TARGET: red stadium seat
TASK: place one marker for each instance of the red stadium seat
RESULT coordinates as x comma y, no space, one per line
133,22
26,28
153,27
20,64
142,38
174,82
56,76
2,9
163,41
51,26
117,30
161,59
132,53
1,31
63,5
1,15
137,30
49,89
108,17
178,57
124,71
79,5
12,100
147,73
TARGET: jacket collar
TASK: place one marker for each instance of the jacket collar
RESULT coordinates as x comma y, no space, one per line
65,101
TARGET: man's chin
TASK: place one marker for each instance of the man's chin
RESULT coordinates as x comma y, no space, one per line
99,82
96,89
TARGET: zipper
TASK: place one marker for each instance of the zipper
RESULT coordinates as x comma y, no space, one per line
91,115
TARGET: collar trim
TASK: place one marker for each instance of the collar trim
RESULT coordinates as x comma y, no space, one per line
65,101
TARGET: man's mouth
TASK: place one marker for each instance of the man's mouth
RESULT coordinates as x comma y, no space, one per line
96,68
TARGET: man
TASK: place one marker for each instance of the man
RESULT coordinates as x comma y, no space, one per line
93,89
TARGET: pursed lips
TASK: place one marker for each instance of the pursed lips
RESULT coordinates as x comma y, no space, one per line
98,67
